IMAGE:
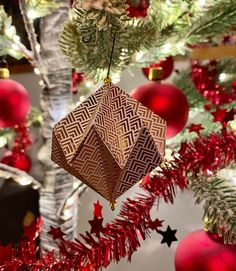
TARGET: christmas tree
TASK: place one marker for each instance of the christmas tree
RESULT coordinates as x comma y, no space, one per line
162,138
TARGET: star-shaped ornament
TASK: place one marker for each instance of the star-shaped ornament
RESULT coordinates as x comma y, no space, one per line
168,236
195,128
218,115
56,233
96,226
97,209
229,115
223,116
156,224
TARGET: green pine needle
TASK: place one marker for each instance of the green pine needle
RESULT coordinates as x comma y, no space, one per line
219,203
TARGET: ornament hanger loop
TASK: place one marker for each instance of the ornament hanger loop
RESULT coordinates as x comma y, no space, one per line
108,79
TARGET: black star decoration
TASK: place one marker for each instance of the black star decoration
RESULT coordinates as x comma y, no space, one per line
168,236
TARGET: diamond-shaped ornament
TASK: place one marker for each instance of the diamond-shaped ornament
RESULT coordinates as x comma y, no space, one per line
109,142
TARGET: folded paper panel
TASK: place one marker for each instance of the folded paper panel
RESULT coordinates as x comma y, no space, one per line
117,124
109,142
96,164
72,129
143,159
155,124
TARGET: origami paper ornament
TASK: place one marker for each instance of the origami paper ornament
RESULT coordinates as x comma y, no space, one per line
109,142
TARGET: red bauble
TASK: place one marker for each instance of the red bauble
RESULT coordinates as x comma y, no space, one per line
14,103
167,66
167,101
202,251
138,10
18,160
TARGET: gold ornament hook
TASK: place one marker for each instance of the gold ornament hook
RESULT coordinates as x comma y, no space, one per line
107,80
113,205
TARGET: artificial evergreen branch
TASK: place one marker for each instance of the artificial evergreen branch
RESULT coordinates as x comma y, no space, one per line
184,82
168,30
41,8
7,31
5,23
219,198
219,19
32,37
88,37
193,25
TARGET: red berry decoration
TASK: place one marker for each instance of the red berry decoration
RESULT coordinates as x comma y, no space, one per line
14,103
202,251
167,66
167,101
138,9
17,160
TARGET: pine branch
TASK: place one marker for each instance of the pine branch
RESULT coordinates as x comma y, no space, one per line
168,30
41,8
7,32
165,16
194,25
88,37
184,82
219,203
220,19
36,60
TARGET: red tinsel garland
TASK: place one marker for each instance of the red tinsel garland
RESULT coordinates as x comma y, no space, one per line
121,238
205,79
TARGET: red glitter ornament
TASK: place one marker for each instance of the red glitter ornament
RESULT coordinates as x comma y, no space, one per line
17,157
202,251
167,101
138,9
18,160
167,66
14,103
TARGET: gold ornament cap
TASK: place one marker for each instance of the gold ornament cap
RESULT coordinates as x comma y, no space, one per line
113,205
155,74
4,73
107,80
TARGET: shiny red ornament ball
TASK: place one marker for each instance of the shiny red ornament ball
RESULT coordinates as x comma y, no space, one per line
202,251
167,66
14,103
18,160
138,10
167,101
